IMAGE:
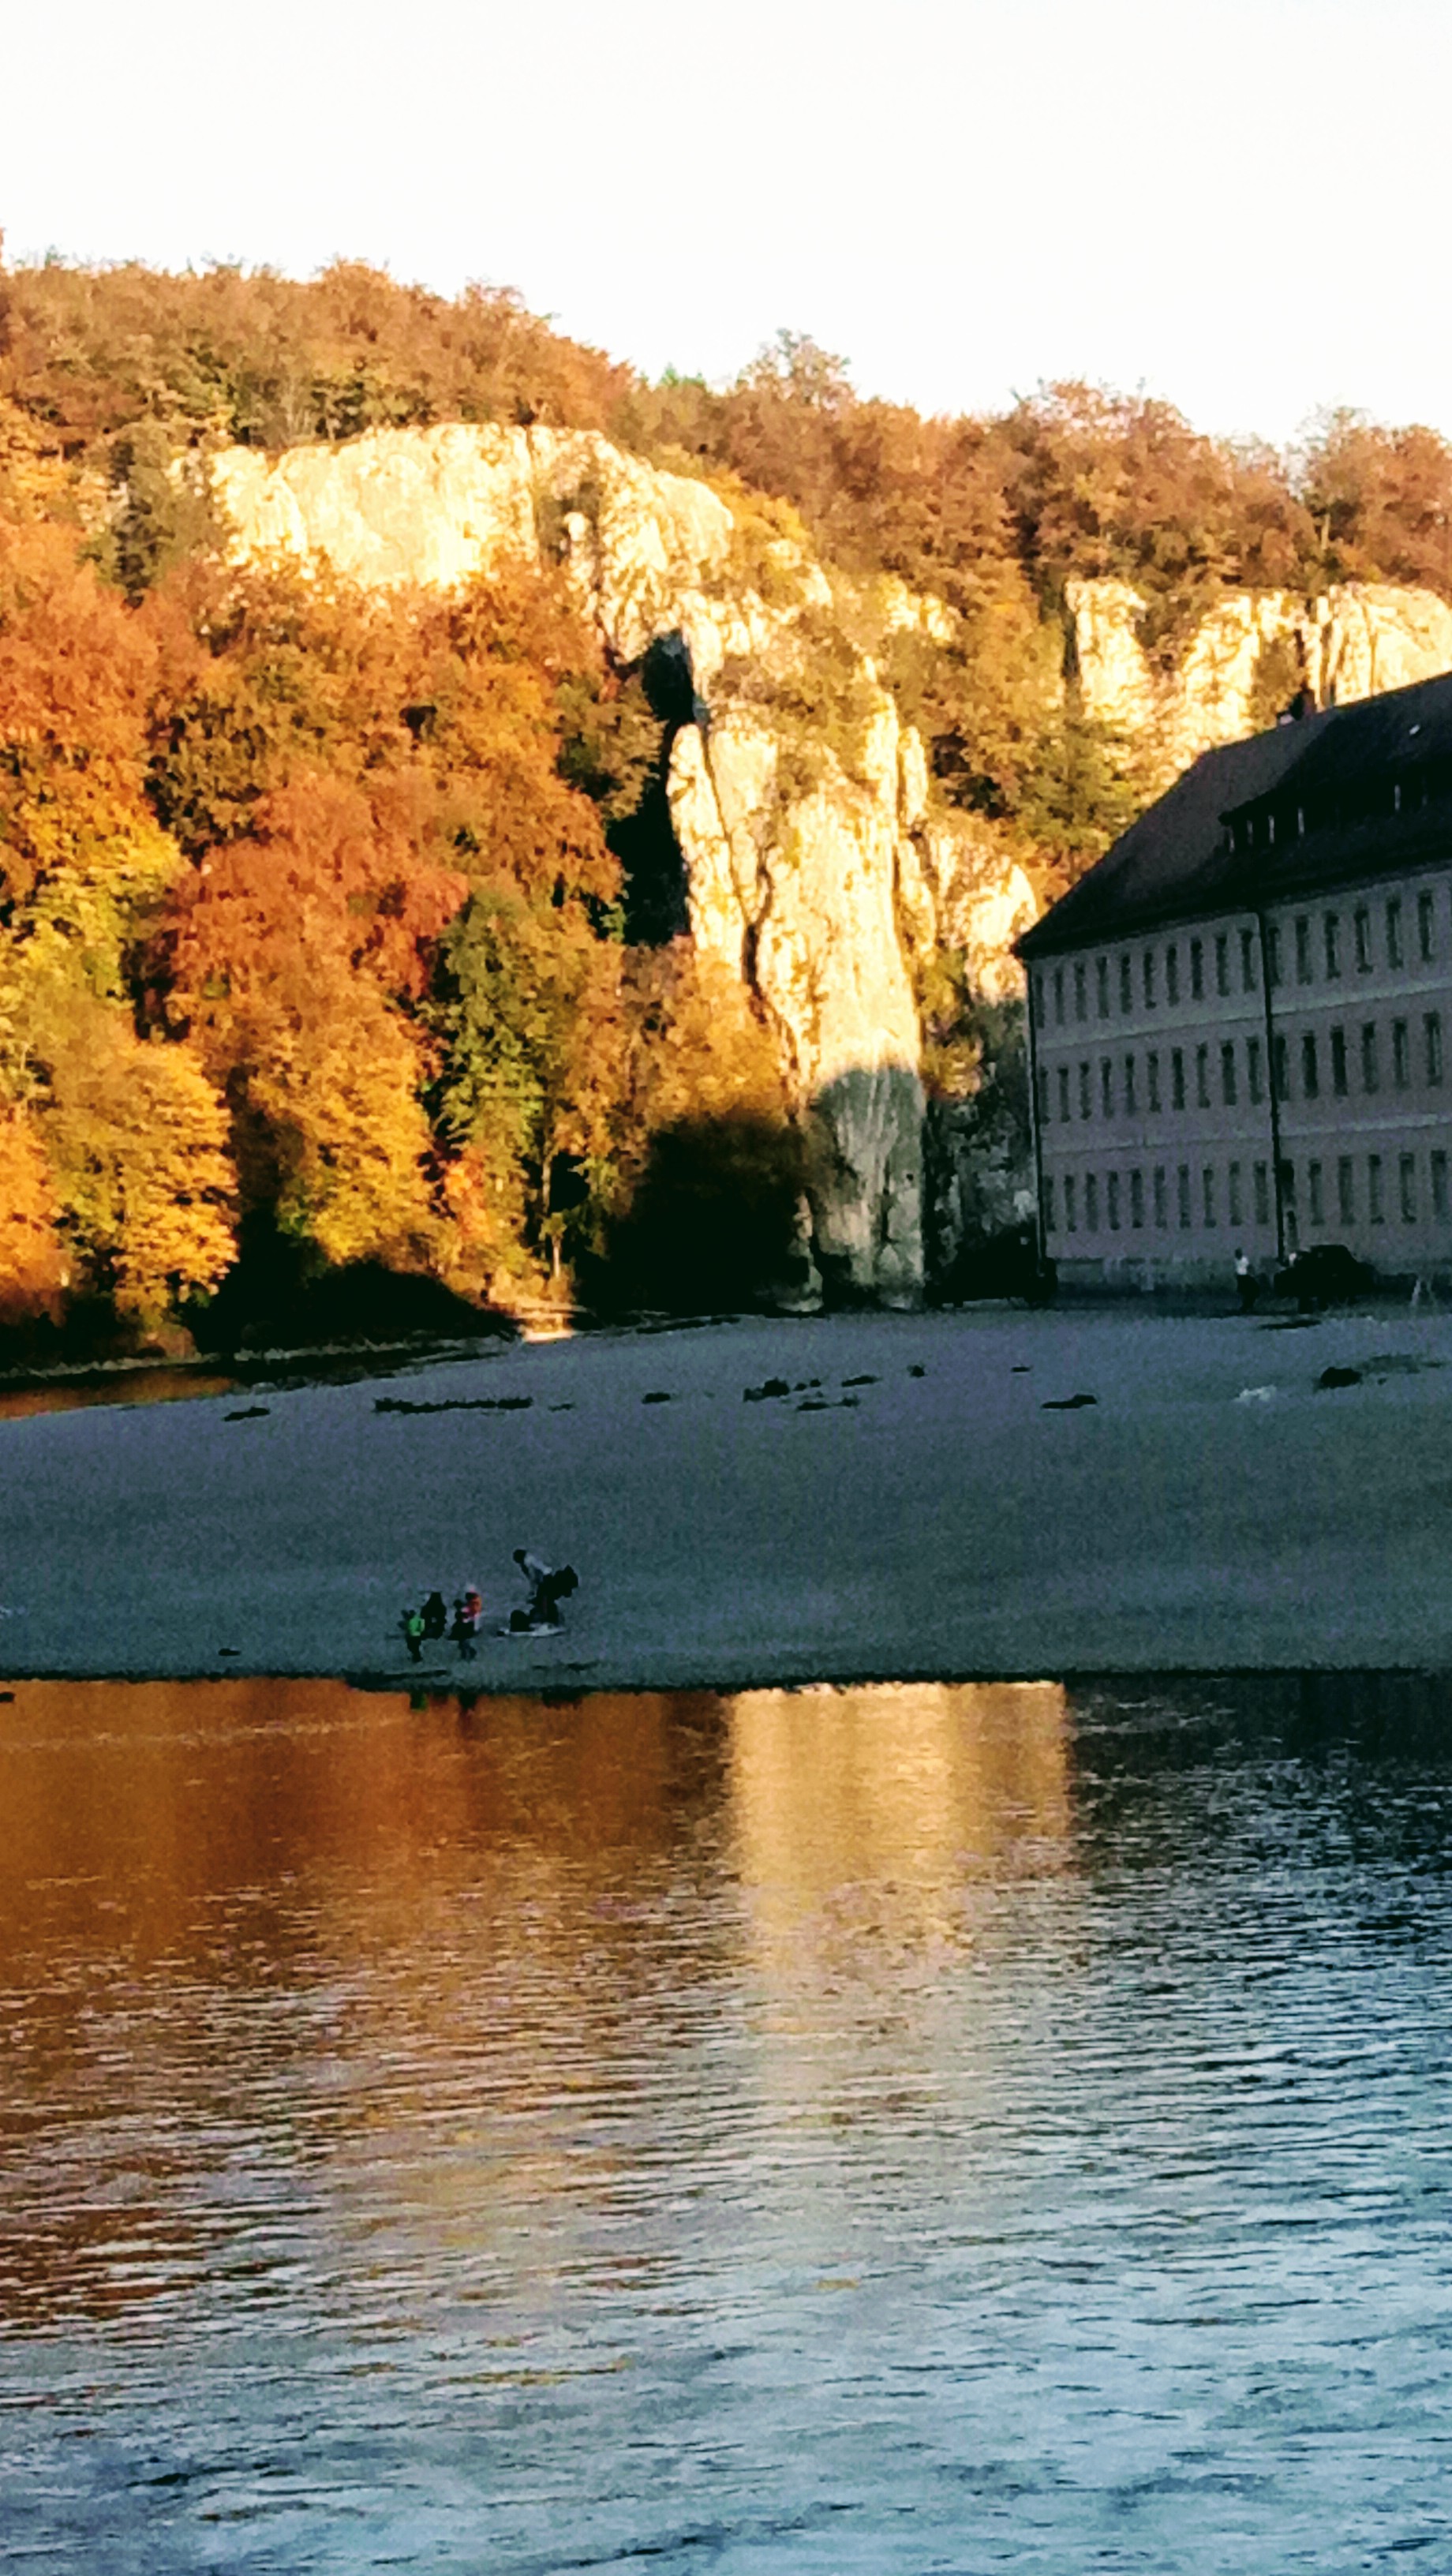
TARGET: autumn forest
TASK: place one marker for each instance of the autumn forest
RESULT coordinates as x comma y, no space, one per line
326,936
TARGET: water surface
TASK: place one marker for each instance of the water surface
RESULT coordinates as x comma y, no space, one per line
890,2130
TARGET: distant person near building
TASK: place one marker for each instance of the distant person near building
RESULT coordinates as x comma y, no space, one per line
1247,1284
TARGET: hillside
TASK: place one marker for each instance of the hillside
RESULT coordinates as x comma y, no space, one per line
468,812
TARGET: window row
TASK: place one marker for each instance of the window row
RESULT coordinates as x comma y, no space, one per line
1352,1190
1208,1077
1316,946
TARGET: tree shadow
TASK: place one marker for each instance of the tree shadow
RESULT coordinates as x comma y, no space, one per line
280,1297
712,1225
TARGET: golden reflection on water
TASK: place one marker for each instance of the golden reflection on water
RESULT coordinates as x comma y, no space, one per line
288,1928
866,1809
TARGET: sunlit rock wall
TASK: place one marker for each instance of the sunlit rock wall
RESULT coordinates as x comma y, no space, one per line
1351,642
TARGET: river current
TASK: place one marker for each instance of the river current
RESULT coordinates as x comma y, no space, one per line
901,2129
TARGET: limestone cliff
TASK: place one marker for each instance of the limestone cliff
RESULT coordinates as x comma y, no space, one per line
814,867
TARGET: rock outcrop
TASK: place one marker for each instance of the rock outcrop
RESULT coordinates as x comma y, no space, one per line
800,802
1352,642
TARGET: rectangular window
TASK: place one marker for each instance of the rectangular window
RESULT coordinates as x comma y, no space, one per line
1401,1054
1315,1193
1059,995
1237,1210
1148,966
1049,1227
1071,1210
1162,1197
1182,1193
1338,1063
1081,991
1280,1069
1373,1189
1038,986
1439,1186
1063,1091
1361,926
1172,973
1273,952
1288,1190
1426,929
1252,1071
1112,1194
1197,970
1101,978
1310,1070
1432,1045
1136,1198
1043,1100
1394,931
1248,976
1202,1076
1346,1190
1129,1099
1227,1075
1207,1183
1332,929
1303,950
1086,1104
1407,1187
1262,1193
1370,1068
1106,1085
1091,1203
1222,963
1152,1078
1177,1078
1126,983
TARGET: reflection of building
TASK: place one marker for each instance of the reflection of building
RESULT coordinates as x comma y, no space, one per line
1240,1016
890,1796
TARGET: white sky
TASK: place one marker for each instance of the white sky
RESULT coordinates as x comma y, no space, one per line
1241,204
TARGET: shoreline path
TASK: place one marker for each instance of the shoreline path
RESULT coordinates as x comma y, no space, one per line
921,1502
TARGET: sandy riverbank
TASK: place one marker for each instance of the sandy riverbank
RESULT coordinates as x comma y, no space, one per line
942,1523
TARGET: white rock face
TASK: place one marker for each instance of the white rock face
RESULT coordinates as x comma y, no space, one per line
982,903
798,891
1353,641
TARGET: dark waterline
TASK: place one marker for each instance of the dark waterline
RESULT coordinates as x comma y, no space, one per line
912,2128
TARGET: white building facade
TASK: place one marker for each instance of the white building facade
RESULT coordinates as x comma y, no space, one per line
1265,1070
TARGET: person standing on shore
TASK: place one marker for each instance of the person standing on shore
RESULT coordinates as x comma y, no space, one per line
412,1624
1246,1282
466,1625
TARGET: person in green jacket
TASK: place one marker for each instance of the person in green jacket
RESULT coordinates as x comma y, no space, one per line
412,1624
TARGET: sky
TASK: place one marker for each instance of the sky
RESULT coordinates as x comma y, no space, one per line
1240,205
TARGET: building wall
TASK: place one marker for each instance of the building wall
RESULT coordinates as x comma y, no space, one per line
1154,1076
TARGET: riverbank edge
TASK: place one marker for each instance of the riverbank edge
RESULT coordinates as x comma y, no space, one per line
581,1679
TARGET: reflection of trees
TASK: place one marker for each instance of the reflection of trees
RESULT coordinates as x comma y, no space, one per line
255,1933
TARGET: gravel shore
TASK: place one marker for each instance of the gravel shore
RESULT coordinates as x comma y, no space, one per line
920,1501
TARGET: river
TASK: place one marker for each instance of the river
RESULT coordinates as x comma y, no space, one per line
908,2129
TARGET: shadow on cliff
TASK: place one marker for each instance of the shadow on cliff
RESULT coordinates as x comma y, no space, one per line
655,897
741,1210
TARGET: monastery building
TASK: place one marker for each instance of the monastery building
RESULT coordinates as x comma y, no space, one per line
1240,1017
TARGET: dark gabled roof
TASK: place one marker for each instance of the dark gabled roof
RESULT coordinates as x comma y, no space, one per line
1327,781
